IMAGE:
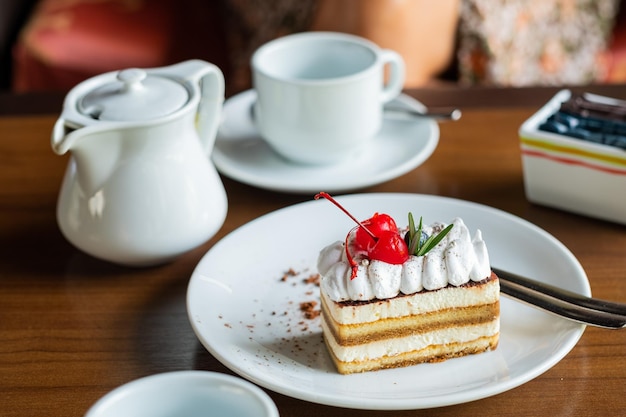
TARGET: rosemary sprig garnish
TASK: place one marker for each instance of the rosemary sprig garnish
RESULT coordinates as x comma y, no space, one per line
415,236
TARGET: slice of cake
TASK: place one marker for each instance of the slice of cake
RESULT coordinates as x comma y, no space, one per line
426,295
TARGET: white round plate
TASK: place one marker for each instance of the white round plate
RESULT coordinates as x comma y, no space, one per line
248,316
241,154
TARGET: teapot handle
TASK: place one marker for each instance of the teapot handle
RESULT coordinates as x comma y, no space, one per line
210,81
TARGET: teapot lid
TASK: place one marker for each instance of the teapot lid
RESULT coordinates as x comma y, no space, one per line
135,95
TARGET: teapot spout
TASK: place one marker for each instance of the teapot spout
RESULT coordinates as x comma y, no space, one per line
62,139
95,151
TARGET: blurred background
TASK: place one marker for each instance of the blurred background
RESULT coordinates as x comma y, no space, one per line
51,45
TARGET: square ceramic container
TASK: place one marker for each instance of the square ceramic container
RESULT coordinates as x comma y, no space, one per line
569,173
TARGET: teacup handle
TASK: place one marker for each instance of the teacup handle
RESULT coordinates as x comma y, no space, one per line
395,82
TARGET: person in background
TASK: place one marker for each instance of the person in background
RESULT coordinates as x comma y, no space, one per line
422,31
470,42
481,42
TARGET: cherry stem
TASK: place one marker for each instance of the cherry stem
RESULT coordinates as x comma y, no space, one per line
332,200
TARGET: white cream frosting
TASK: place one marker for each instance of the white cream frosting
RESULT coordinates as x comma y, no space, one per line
456,260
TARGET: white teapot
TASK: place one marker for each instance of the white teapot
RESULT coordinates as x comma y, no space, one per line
140,188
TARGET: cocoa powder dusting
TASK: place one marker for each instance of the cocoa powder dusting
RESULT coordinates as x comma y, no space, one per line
309,310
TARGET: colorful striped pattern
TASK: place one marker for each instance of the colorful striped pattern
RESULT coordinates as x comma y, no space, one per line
571,155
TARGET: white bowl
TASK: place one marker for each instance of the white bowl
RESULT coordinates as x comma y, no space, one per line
572,174
186,393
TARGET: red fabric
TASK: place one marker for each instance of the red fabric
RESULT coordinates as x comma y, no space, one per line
69,41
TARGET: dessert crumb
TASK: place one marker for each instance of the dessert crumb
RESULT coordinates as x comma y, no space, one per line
309,310
289,273
313,279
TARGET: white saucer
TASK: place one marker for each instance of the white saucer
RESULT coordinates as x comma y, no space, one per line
241,154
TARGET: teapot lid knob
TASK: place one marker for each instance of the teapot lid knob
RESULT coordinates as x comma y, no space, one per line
134,94
131,78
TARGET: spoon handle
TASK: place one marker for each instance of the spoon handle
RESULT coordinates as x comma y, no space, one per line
437,113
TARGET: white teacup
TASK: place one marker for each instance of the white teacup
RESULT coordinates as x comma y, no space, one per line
321,94
185,393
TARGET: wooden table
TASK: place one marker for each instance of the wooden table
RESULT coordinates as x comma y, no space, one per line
72,328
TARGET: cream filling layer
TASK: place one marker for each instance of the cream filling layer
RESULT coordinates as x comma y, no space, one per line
410,343
420,303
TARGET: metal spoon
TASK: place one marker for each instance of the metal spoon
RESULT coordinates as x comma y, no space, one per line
437,113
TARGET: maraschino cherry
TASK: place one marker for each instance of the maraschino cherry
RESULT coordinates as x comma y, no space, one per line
377,224
390,248
377,236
